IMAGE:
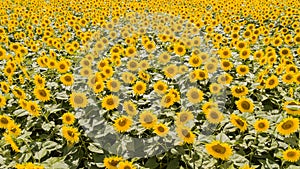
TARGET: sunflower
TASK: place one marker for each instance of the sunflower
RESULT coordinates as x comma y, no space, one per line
292,107
170,71
201,74
241,45
139,88
98,87
86,71
288,78
126,165
195,61
62,66
219,150
238,122
245,105
183,117
101,64
261,125
179,49
14,129
68,118
128,77
210,67
226,65
242,70
245,53
113,85
33,108
209,105
110,102
288,126
130,108
144,65
112,162
8,71
9,140
150,46
144,76
42,94
2,101
225,53
194,95
39,81
67,79
5,121
167,100
214,116
161,129
132,65
239,91
4,87
291,155
272,82
19,93
215,88
71,134
164,58
147,119
122,124
160,87
78,100
186,134
224,78
130,51
175,93
99,46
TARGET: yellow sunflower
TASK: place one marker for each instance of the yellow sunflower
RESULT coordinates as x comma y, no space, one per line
160,87
288,126
2,101
42,94
226,65
261,125
195,61
288,78
122,124
219,150
5,121
194,95
214,116
147,119
132,65
110,102
14,129
167,100
170,71
126,165
245,105
239,91
161,129
179,49
130,108
183,117
215,88
78,100
68,118
242,70
238,122
139,88
272,82
71,134
67,79
113,85
33,108
112,162
291,155
39,81
185,134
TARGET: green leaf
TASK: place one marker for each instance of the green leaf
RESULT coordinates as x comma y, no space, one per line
95,149
174,164
151,163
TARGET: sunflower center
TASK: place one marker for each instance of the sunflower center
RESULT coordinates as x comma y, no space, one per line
160,129
239,122
122,122
43,93
110,101
68,78
113,84
289,77
214,115
180,49
160,87
239,90
219,149
127,167
148,119
70,133
78,99
261,125
291,154
287,125
245,105
271,82
183,118
130,108
195,95
62,66
243,69
4,120
139,87
210,67
186,133
226,64
68,118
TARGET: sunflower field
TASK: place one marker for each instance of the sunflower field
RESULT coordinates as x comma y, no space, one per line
149,84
